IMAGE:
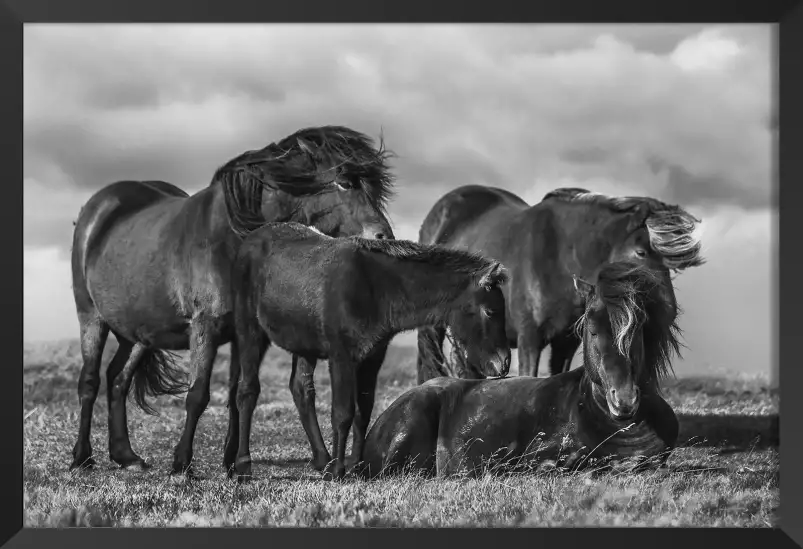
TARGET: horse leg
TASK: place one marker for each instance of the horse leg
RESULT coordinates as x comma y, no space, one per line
302,387
118,381
430,362
367,374
530,344
203,350
253,345
563,348
233,432
94,332
342,372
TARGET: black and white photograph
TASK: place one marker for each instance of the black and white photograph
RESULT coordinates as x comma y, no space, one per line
400,275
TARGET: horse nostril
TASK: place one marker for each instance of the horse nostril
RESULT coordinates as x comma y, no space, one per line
380,236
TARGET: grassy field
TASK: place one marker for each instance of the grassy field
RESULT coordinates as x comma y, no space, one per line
725,473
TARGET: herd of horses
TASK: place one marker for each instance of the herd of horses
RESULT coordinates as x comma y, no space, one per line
291,245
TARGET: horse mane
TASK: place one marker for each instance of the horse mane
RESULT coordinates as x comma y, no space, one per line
305,163
460,261
673,231
633,297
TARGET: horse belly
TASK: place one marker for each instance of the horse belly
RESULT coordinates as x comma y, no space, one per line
293,329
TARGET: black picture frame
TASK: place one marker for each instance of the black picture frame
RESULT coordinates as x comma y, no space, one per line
787,13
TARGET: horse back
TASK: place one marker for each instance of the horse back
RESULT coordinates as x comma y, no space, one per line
468,214
405,435
104,211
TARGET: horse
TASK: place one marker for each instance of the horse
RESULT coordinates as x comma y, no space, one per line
608,410
572,231
152,264
341,299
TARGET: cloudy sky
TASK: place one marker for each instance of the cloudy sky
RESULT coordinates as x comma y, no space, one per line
683,113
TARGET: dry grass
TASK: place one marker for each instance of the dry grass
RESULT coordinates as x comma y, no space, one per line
725,475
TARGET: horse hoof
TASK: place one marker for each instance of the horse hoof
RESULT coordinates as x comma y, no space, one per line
334,472
352,462
182,476
84,464
320,464
242,478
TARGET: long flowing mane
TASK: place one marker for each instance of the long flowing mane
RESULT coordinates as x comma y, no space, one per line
673,231
634,297
460,261
305,163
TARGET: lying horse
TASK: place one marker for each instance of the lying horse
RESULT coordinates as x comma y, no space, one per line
152,265
342,299
609,408
570,232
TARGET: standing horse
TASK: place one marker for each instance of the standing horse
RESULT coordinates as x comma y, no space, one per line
608,408
570,232
342,299
152,265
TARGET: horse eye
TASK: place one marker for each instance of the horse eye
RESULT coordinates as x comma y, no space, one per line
641,252
486,312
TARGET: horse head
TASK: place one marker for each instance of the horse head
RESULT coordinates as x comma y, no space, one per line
331,178
628,333
477,324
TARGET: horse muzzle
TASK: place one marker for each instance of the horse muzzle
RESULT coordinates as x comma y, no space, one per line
623,405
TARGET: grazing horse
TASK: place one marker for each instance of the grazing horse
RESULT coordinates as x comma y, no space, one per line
571,232
608,408
342,299
152,265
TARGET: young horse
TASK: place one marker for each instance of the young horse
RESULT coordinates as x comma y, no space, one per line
152,265
341,299
610,407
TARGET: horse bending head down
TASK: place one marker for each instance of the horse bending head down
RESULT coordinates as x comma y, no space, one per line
629,333
477,324
331,178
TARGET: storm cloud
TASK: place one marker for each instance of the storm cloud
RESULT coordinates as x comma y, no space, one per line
679,112
684,113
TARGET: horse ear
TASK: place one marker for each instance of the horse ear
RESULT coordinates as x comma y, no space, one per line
638,217
582,287
494,276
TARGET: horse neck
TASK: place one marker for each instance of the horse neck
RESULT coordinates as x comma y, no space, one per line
417,293
210,205
279,208
590,230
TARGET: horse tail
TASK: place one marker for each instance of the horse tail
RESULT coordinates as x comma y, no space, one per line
157,374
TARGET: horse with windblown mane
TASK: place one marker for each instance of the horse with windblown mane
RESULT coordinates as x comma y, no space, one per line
152,265
571,231
608,410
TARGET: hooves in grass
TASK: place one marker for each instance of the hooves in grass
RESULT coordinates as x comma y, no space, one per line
334,471
319,463
82,464
243,477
